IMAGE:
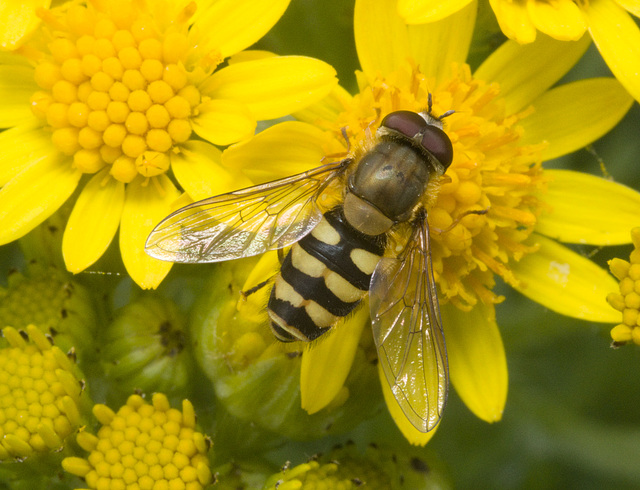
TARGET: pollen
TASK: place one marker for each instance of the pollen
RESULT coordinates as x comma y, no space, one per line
110,80
143,446
485,206
627,300
39,407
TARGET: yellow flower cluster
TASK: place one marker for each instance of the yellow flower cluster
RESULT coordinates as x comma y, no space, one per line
39,395
627,301
143,446
114,91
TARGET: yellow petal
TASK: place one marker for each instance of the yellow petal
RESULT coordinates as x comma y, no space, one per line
22,147
166,14
587,209
631,6
514,20
560,19
477,361
565,282
435,46
617,37
250,55
147,201
411,434
574,115
525,72
34,195
421,11
93,222
223,122
273,87
251,307
384,42
282,150
328,108
16,88
229,26
17,19
199,170
326,365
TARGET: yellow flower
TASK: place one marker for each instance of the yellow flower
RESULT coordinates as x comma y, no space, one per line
110,96
41,395
627,301
143,446
62,309
609,23
507,121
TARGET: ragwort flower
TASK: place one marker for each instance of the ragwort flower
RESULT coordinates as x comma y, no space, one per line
143,446
110,97
507,121
63,309
609,22
42,396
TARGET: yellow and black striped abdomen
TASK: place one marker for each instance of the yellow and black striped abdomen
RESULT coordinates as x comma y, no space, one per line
323,278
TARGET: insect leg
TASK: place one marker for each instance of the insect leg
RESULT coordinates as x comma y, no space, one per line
459,218
255,288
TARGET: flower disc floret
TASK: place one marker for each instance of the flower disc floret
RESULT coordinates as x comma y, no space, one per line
39,406
100,81
45,297
627,301
144,445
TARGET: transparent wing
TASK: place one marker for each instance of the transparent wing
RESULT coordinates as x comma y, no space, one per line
408,331
243,223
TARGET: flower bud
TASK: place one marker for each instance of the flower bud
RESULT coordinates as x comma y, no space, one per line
145,347
347,468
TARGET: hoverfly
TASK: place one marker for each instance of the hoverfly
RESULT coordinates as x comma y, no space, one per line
338,255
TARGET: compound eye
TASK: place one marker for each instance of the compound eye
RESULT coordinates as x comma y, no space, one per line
436,142
406,123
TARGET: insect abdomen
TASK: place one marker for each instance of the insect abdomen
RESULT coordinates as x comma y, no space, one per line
323,278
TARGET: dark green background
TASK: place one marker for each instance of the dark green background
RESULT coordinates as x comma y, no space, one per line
572,418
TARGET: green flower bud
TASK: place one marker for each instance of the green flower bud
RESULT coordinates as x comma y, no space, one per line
345,468
242,474
145,347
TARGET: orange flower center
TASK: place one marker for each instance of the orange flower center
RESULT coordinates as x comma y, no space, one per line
484,207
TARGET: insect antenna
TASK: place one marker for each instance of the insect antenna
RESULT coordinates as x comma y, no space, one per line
430,108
